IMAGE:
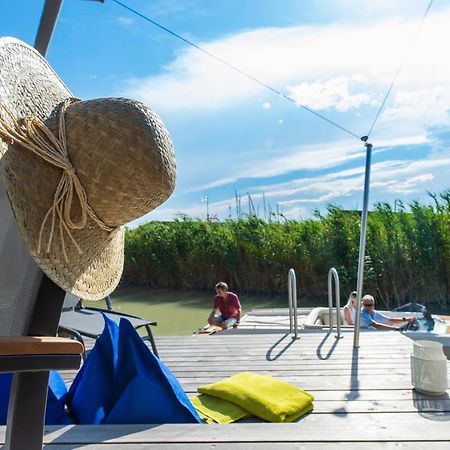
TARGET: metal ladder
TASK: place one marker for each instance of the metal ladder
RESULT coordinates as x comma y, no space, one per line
292,296
333,275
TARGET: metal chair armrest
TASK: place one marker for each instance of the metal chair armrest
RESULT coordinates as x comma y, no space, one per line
119,313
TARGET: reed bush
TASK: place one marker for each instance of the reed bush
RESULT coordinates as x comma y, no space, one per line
407,253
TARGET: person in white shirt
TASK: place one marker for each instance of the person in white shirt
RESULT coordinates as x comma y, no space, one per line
350,309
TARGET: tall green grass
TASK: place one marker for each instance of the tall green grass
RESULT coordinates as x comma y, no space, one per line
407,253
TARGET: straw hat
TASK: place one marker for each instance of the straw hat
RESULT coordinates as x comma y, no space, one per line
71,200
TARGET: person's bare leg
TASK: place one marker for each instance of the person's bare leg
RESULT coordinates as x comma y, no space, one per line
213,322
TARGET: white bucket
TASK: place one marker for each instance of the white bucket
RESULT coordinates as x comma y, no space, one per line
429,368
428,350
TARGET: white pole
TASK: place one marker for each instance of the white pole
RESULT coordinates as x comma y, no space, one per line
362,244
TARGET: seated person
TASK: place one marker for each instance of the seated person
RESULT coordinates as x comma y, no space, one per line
370,318
229,306
350,309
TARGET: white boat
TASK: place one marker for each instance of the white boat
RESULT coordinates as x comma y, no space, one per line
436,327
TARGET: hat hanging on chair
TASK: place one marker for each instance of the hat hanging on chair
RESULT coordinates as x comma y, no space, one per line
76,171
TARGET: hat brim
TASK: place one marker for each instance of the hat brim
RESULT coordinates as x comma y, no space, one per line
30,87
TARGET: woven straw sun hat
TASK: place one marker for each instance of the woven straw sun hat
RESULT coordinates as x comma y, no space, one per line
78,176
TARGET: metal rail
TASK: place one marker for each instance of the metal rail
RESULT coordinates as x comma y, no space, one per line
292,295
333,275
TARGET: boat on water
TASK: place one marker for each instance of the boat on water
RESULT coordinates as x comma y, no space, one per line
433,327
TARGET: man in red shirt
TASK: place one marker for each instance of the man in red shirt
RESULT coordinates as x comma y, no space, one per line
229,306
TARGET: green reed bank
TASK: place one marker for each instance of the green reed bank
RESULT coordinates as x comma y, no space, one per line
407,253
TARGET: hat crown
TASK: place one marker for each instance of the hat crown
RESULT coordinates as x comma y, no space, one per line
122,154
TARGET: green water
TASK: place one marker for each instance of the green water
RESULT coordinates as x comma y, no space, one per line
182,312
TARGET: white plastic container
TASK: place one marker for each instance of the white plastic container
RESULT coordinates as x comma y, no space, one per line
429,368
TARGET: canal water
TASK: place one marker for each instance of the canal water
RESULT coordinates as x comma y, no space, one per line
181,312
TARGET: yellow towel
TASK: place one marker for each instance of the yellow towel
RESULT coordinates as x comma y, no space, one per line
216,410
263,396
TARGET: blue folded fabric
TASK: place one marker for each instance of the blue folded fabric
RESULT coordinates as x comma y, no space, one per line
91,394
55,413
122,382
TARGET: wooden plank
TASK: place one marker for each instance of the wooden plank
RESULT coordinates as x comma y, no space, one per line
382,427
330,380
387,336
290,364
285,355
314,344
376,394
216,372
428,445
315,384
299,359
377,406
311,347
307,348
269,354
288,374
262,339
290,369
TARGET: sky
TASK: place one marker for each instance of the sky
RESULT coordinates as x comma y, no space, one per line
234,137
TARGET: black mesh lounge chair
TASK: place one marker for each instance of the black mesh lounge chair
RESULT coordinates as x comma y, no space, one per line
79,321
30,305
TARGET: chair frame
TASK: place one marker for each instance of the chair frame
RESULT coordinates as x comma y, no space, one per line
78,334
28,396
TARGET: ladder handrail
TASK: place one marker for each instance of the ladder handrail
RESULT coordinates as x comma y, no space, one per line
292,296
333,275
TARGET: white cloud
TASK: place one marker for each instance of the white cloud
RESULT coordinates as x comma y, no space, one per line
401,169
297,197
295,212
303,157
404,186
285,160
211,185
125,21
339,66
396,177
369,10
165,212
334,93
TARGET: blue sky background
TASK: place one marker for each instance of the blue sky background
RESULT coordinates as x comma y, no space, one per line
230,134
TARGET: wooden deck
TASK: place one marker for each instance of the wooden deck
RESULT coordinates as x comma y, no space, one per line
363,397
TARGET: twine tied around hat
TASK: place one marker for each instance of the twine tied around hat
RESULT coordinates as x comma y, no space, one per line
35,136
